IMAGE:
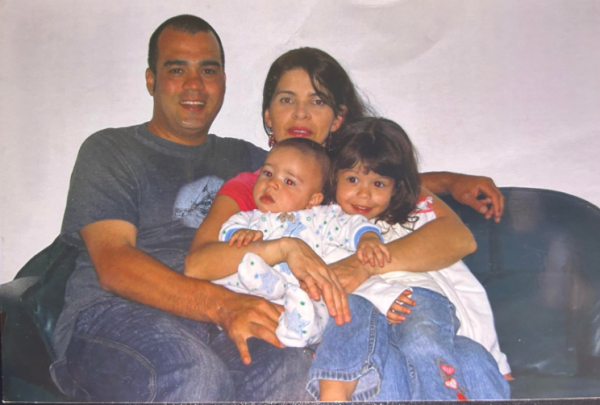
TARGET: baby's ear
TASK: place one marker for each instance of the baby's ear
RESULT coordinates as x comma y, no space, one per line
315,200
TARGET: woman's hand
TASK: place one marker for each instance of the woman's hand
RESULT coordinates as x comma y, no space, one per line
312,271
350,272
394,314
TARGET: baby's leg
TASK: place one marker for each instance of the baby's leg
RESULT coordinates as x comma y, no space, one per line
260,278
426,338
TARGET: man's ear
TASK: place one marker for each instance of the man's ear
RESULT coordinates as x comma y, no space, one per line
150,81
339,120
315,200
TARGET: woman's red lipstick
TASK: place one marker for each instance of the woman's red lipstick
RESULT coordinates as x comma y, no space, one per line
301,132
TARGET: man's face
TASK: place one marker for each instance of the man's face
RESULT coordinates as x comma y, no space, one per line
188,87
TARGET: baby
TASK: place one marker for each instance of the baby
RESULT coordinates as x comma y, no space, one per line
287,194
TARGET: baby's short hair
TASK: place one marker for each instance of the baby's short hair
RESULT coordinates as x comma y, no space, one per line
310,148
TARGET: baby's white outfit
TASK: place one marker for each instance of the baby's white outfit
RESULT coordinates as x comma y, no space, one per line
330,232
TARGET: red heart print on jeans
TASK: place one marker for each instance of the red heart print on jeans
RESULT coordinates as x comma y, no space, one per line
449,370
451,383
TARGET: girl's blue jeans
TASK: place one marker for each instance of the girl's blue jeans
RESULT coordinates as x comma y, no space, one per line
421,358
127,352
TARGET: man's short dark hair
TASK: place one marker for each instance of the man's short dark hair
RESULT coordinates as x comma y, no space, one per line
184,23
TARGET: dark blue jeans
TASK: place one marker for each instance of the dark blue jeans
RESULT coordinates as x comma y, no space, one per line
128,352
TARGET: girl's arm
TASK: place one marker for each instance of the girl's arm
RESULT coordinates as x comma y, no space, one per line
435,245
210,259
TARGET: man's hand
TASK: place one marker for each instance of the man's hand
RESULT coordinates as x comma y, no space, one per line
478,192
242,237
245,316
394,314
312,271
371,248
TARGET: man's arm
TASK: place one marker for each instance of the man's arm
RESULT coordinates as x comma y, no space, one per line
126,271
478,192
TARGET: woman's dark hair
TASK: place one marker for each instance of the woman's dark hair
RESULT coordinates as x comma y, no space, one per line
381,146
328,77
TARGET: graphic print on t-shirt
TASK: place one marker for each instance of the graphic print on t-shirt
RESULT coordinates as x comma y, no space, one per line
194,200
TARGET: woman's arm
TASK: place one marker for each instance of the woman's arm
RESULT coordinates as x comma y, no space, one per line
210,259
435,245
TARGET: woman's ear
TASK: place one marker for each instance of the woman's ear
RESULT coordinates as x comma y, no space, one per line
339,120
268,119
314,200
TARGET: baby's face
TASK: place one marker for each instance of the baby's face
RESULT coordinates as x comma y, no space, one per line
288,181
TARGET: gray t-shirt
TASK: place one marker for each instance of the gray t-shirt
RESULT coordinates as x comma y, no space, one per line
163,188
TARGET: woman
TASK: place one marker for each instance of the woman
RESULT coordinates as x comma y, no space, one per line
307,93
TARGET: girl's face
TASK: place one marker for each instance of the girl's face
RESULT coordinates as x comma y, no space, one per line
296,110
363,193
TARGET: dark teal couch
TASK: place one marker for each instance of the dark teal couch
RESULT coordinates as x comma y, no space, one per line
540,266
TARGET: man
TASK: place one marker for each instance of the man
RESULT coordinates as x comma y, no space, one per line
133,327
137,195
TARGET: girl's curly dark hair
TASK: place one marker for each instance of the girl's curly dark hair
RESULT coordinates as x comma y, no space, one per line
379,145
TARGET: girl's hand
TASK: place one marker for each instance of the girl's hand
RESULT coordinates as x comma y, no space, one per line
372,250
245,236
394,314
319,281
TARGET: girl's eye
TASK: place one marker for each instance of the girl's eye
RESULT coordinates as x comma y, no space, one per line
352,180
379,184
289,182
267,173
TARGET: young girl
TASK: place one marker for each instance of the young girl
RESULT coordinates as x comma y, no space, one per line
375,175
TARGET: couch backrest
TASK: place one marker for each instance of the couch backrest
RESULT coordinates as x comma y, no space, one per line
541,269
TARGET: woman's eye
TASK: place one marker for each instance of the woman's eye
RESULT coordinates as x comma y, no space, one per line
289,182
286,100
318,101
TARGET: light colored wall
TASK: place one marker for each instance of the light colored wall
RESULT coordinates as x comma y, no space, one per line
504,88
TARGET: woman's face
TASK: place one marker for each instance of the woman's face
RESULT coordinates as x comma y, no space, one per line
296,110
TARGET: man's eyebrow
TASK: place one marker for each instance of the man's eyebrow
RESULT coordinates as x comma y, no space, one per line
210,62
175,62
181,62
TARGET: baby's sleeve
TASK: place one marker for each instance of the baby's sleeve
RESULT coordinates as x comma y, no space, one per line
241,220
